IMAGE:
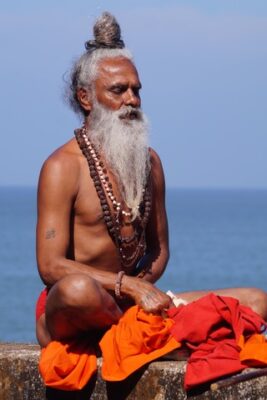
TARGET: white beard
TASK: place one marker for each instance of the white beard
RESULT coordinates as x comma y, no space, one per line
124,143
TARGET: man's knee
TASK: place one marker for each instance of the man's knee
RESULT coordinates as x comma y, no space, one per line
257,300
77,304
75,291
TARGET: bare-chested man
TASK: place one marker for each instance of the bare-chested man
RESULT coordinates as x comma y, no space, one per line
102,234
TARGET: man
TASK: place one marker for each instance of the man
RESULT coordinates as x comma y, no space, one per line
102,234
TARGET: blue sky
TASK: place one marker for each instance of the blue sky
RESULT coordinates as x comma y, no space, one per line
202,64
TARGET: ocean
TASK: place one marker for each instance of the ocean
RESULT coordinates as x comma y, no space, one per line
218,238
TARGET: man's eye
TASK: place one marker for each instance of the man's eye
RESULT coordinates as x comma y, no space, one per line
136,91
117,89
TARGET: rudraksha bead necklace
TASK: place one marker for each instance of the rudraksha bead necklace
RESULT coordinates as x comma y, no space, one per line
130,248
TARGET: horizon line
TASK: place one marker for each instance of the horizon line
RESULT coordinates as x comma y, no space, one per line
168,187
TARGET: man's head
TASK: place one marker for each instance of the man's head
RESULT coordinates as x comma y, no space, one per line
105,89
107,47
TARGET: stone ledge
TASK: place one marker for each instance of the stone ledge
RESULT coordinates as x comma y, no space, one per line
161,380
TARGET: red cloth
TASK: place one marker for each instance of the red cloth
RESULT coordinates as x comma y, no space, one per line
40,304
211,327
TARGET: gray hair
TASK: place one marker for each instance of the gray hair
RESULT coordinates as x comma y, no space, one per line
107,44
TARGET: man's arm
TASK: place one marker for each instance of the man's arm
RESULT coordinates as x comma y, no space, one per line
58,187
155,261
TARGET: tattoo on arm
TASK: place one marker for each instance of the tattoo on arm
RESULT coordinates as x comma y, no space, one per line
50,234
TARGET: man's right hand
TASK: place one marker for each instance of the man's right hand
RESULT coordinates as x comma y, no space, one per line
146,295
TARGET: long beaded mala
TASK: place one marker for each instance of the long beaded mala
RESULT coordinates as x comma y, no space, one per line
114,220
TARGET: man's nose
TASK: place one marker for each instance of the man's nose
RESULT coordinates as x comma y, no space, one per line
131,98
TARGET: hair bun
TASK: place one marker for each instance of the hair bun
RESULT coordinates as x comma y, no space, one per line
107,33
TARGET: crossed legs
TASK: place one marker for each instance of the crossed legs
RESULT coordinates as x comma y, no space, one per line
78,304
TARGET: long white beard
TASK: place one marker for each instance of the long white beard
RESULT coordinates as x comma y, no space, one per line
124,143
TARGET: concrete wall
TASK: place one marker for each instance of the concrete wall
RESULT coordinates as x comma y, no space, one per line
161,380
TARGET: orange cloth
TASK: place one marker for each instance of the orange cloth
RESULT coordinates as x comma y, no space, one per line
253,351
67,366
137,339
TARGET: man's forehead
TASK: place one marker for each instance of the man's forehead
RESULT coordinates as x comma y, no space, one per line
117,68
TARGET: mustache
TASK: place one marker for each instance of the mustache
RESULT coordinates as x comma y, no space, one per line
130,113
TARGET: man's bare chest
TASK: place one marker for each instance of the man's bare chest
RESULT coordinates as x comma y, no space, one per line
87,207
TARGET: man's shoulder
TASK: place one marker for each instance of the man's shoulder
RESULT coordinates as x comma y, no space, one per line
154,158
63,164
67,156
157,172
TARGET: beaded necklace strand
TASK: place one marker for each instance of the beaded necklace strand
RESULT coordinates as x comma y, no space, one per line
130,248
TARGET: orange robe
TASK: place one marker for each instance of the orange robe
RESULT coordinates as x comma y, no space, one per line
137,339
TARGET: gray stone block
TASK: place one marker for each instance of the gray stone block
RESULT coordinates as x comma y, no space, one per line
161,380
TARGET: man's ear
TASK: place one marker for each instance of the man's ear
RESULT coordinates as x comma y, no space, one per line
84,99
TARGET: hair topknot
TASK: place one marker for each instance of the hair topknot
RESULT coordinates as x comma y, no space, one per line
107,33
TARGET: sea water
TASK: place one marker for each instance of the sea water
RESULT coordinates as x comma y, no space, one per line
218,238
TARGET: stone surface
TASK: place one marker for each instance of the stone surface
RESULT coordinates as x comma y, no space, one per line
161,380
19,377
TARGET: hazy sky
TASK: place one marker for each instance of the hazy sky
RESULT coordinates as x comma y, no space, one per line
202,64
